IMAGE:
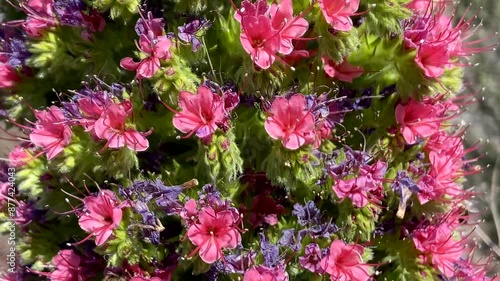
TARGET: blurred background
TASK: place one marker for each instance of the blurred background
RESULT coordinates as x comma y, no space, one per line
482,118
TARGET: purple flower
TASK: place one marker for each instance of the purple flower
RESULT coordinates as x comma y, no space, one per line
312,258
148,219
269,251
117,90
307,214
165,197
213,273
364,101
69,12
13,46
404,187
326,110
288,239
387,227
353,161
389,90
322,230
71,110
239,263
26,213
192,30
149,26
403,181
4,171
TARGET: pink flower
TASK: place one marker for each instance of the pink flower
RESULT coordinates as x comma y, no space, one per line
355,189
440,180
421,7
344,71
4,192
51,131
417,119
259,273
200,113
439,39
40,17
432,59
446,154
300,52
287,25
92,110
290,121
269,30
344,262
438,247
263,273
260,7
18,157
260,40
338,12
156,49
111,126
190,211
103,214
212,233
8,76
67,265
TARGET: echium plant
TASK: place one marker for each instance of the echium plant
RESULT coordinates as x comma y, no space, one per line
238,140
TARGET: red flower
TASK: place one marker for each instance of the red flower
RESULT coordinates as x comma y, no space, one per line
212,233
344,262
51,131
290,122
264,209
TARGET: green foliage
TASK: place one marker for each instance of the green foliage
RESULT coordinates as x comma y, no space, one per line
252,138
357,224
292,168
28,178
338,45
221,159
118,9
383,17
402,260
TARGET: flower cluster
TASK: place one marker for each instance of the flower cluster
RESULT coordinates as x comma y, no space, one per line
255,141
269,29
